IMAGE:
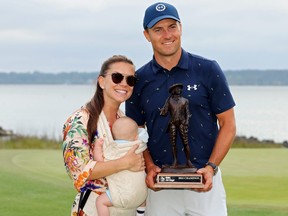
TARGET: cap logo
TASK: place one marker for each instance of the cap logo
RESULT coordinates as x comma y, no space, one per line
160,7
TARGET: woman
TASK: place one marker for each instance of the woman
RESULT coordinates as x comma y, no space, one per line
114,86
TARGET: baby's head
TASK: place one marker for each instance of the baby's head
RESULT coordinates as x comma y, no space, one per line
125,128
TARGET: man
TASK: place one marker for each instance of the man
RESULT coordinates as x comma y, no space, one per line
212,125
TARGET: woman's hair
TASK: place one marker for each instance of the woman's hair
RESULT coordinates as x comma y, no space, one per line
95,105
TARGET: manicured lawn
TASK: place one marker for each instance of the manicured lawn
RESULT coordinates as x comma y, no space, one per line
256,181
34,182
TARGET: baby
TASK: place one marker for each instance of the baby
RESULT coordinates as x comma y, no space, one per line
126,188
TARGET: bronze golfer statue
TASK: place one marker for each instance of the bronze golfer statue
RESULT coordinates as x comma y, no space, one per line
178,108
175,175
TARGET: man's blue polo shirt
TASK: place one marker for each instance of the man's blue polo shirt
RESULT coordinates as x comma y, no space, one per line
204,84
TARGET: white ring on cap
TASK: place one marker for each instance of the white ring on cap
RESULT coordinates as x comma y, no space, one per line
160,7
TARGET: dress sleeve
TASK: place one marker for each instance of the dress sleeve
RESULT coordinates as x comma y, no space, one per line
78,160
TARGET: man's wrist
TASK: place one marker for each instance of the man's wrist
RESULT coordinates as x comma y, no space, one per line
213,166
149,166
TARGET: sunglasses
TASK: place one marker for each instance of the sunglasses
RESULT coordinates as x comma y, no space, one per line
118,77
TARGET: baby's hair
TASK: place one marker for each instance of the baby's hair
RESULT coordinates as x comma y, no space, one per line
125,128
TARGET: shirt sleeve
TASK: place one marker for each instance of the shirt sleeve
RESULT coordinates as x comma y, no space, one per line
143,135
78,161
221,98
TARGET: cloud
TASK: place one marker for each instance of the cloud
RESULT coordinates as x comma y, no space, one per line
72,4
21,35
84,5
55,35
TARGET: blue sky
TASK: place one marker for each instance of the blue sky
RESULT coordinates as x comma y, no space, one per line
78,35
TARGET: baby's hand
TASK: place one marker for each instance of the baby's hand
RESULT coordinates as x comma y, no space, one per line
98,150
99,143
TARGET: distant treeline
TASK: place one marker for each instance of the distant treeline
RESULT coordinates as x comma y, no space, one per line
48,78
257,77
234,77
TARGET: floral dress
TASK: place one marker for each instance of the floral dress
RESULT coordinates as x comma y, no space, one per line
78,157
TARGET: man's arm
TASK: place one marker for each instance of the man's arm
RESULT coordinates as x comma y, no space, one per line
151,170
225,137
223,143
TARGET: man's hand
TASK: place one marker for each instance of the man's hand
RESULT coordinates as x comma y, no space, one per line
152,172
207,173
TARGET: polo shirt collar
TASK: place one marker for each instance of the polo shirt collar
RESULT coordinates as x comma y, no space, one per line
182,64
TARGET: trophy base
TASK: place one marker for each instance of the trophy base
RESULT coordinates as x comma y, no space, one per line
180,177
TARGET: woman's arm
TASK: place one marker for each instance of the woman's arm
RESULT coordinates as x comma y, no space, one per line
131,161
78,156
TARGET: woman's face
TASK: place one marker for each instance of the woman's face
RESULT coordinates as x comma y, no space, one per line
119,90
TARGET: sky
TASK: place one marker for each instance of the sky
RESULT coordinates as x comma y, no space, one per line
78,35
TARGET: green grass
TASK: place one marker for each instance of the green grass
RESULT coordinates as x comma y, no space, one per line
28,142
34,182
256,181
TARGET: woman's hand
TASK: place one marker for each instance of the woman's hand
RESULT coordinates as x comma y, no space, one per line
134,162
130,161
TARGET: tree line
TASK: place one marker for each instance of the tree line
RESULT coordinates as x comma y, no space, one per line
234,77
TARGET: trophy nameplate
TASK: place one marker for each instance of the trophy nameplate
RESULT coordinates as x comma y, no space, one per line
179,178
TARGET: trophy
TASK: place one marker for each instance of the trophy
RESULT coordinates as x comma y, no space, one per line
175,175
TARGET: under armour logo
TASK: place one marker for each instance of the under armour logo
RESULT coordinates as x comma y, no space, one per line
189,87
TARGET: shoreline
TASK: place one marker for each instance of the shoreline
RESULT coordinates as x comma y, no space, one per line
4,132
239,141
243,141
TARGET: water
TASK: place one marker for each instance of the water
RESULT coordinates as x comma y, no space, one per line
42,109
261,111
